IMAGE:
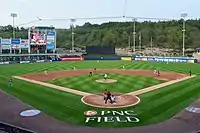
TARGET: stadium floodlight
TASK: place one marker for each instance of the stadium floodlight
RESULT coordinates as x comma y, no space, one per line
72,27
13,15
134,33
183,16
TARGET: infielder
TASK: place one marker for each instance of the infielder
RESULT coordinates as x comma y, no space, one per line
74,68
10,82
155,72
45,72
95,69
158,72
90,74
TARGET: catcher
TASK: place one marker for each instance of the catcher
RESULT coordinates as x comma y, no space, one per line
113,98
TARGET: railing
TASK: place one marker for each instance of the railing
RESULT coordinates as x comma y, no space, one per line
8,128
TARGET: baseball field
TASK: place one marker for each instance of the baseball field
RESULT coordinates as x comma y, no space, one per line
60,92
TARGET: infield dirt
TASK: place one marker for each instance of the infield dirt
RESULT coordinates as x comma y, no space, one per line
67,73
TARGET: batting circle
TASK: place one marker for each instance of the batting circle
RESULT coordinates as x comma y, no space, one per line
122,101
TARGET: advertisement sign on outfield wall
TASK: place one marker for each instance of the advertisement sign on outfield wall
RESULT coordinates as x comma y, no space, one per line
166,59
3,63
72,59
191,61
126,58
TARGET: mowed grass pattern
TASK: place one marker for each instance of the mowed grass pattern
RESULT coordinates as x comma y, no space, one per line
155,106
124,84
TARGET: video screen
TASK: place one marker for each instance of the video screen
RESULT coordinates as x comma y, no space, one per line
38,37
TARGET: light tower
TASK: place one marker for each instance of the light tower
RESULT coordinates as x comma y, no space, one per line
183,16
134,33
72,27
13,15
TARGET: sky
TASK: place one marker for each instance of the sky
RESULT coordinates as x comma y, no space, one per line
28,10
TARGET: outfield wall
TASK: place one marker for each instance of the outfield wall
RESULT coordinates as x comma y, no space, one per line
165,59
137,58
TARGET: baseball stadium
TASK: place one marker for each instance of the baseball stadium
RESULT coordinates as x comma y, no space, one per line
137,88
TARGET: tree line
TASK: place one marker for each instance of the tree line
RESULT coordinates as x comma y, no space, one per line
163,34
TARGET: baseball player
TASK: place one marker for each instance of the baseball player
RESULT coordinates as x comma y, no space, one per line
155,72
10,82
105,76
45,72
190,73
123,67
90,74
108,97
113,98
105,94
74,68
158,72
95,69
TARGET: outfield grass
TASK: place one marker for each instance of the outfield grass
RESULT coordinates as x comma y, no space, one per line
124,84
155,106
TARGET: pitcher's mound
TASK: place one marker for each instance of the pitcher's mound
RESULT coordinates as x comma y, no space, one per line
121,101
106,80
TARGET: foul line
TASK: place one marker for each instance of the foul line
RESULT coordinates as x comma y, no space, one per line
55,86
155,87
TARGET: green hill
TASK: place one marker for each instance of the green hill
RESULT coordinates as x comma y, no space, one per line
166,34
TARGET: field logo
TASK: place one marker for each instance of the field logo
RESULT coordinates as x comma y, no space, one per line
90,113
193,110
110,116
